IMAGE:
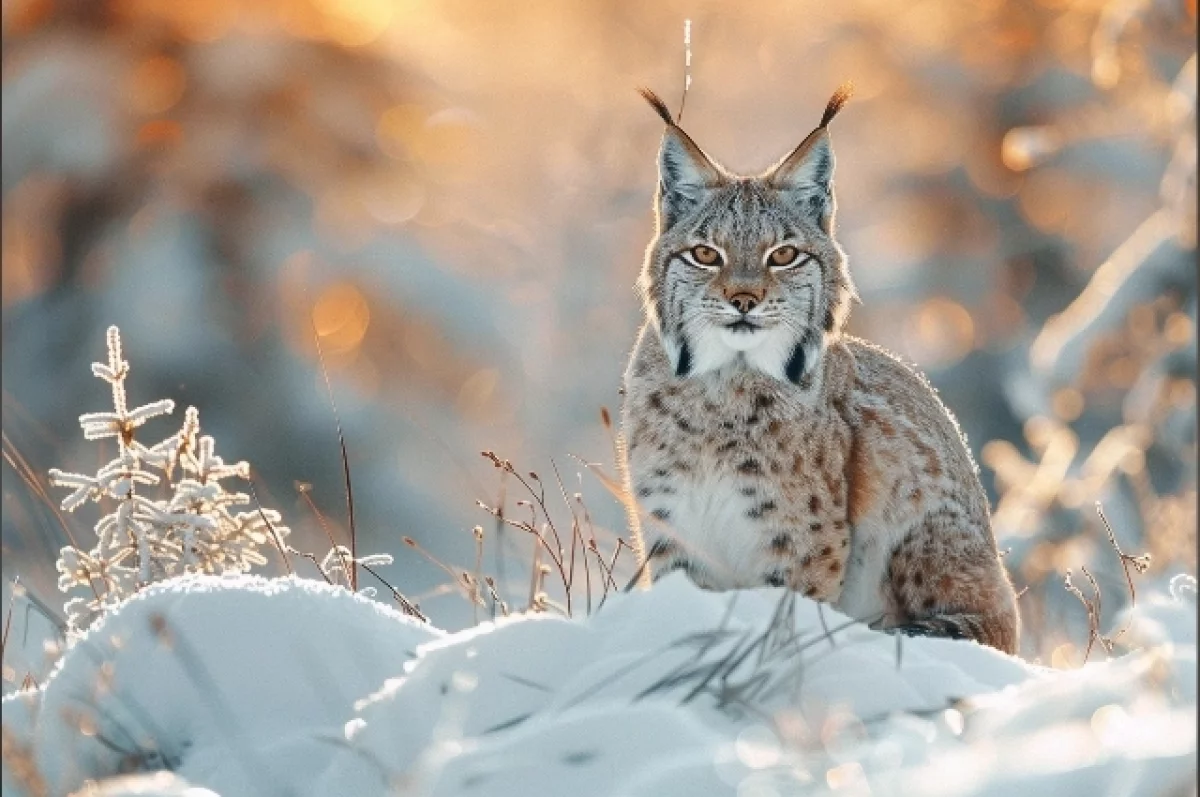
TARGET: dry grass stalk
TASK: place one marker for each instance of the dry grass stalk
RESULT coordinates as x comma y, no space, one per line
566,553
1093,605
352,573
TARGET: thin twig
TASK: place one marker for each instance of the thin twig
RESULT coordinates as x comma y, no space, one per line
45,611
352,573
687,67
455,575
576,537
496,601
534,575
557,554
528,527
1139,563
1093,619
304,490
478,575
407,605
312,558
500,538
275,538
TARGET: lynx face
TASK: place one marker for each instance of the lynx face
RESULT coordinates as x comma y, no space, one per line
745,271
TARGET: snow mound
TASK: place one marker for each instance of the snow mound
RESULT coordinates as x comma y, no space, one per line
550,706
253,687
239,679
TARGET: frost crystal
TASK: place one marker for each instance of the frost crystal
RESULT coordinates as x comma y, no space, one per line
179,519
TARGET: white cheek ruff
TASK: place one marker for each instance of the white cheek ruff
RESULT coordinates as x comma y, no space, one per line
743,339
766,350
711,349
771,355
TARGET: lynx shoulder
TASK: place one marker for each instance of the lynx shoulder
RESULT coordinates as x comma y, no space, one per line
764,446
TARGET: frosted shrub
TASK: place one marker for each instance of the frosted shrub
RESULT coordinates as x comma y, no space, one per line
169,515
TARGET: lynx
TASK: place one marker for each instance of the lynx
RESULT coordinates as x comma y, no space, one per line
762,445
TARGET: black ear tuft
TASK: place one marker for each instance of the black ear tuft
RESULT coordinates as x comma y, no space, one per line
795,364
685,173
685,360
835,104
658,105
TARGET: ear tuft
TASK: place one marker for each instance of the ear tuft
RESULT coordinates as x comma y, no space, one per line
685,173
836,102
657,104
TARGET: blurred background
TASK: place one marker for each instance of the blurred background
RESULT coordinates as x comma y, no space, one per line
455,196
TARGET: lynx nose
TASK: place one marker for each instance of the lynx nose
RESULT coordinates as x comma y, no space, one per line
744,302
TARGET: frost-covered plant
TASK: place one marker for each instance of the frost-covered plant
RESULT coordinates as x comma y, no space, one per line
170,512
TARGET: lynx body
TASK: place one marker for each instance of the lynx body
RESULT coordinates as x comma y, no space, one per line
762,445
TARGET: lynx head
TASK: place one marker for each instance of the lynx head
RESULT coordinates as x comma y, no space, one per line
745,271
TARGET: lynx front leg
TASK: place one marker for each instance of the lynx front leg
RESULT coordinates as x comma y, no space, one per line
945,579
666,556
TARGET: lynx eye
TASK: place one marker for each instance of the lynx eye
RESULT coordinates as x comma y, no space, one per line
706,255
784,256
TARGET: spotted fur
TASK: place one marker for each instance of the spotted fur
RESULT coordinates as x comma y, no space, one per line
764,446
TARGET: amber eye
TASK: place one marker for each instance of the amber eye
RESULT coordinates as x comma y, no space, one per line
706,255
784,256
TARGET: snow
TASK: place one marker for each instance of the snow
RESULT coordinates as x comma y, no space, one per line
233,680
252,686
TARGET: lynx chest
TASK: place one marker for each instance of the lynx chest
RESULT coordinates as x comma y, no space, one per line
739,482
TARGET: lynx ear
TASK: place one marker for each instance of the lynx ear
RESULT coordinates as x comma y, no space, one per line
684,171
808,168
807,173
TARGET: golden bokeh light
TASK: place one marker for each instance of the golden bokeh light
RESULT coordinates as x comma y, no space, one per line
1068,404
447,144
940,333
341,316
1024,147
1040,430
155,85
1065,657
354,23
1179,330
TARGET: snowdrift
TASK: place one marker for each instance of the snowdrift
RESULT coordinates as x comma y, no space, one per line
249,686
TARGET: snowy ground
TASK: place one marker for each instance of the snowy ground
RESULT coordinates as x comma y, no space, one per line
249,686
